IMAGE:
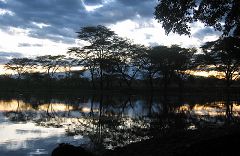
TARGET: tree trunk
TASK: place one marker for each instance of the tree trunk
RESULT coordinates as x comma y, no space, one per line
151,82
92,80
101,78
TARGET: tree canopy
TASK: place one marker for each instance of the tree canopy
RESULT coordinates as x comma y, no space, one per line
50,63
177,15
20,65
223,55
104,53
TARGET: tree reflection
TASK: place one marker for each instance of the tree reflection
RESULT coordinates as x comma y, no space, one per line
167,119
229,109
109,127
22,113
116,120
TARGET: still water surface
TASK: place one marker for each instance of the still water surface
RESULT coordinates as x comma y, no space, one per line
35,125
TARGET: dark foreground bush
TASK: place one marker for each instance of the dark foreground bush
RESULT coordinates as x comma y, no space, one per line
70,150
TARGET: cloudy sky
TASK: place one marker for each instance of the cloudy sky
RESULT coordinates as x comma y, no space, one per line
38,27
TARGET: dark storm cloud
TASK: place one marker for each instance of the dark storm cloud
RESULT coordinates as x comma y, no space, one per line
65,17
6,56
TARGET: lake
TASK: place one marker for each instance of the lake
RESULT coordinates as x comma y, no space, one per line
35,124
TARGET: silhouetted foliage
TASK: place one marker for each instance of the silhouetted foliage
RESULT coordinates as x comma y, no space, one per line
171,62
20,65
67,149
150,67
93,55
107,55
222,56
113,62
50,63
176,16
130,62
67,64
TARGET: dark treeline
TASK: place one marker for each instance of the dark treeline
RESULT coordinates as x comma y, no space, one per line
108,61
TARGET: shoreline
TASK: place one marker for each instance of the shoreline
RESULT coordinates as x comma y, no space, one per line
138,91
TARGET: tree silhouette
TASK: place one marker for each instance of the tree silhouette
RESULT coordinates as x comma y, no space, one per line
106,54
130,61
86,61
171,61
100,40
184,62
150,67
50,63
176,16
223,56
20,65
67,64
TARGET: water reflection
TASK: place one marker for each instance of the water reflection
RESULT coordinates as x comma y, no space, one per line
212,113
102,121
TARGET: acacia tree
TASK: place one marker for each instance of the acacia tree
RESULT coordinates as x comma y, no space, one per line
184,62
85,60
103,52
50,63
129,61
20,65
176,16
164,59
110,70
149,68
171,62
67,64
223,55
99,40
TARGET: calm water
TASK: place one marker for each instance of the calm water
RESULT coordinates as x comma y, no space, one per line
35,125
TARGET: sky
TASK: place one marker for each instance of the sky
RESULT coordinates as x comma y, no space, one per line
30,28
